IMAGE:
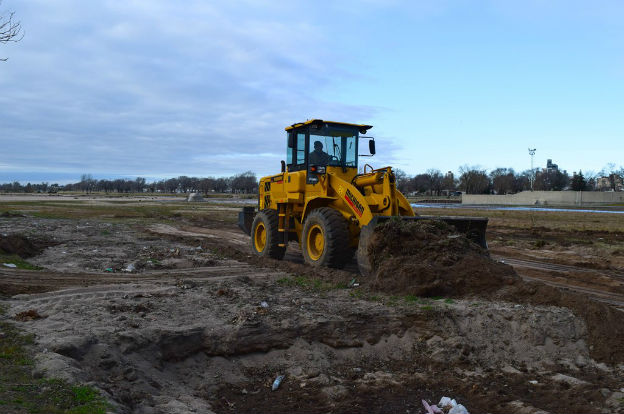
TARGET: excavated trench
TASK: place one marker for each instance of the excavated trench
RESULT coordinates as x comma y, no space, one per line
221,350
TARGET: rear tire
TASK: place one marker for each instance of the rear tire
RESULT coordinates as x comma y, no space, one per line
265,237
325,239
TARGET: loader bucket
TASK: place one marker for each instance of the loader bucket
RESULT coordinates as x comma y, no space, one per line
245,219
473,227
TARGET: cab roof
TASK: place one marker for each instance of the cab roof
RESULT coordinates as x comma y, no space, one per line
362,128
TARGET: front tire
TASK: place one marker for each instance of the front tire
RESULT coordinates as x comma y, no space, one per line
326,239
265,235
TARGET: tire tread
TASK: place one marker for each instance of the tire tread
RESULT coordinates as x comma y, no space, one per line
270,219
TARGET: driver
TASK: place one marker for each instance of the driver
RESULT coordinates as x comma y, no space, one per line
318,156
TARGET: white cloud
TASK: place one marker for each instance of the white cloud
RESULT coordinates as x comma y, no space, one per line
144,86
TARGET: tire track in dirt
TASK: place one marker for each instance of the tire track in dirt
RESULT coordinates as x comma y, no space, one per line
17,281
293,254
598,294
557,267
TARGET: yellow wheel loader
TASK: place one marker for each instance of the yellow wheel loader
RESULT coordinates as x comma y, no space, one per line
320,200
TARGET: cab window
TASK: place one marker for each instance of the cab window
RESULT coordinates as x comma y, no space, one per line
296,151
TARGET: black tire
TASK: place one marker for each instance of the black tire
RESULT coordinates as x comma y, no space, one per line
267,220
330,226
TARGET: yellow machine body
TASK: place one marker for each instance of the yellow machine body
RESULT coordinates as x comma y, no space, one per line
357,197
321,200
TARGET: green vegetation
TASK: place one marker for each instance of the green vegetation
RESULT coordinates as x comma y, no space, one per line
413,299
20,392
17,261
308,283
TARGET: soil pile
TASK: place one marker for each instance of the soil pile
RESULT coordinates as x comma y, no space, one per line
429,258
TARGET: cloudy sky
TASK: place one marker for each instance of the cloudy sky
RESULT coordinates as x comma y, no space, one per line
158,88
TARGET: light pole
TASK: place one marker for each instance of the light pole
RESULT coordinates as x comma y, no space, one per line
532,153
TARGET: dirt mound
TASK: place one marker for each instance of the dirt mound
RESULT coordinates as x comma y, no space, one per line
429,258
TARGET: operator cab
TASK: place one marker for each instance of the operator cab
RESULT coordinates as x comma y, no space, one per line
316,145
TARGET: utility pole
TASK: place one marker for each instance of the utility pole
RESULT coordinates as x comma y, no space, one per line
532,178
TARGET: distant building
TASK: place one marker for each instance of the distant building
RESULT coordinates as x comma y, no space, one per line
606,183
550,166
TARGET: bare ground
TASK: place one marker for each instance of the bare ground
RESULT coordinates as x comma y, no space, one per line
186,330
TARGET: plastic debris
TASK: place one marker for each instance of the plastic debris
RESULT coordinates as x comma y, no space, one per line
353,283
130,268
427,407
432,409
534,382
277,382
108,269
458,409
446,405
264,304
447,402
11,265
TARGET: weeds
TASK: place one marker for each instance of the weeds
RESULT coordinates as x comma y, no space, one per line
308,283
17,261
21,392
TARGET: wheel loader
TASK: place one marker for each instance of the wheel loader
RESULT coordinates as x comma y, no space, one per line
321,200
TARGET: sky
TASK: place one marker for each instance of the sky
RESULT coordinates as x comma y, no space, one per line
159,89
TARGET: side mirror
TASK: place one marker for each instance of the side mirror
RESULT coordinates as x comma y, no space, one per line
283,166
291,140
371,146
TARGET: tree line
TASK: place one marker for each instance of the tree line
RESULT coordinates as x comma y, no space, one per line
240,183
471,180
475,180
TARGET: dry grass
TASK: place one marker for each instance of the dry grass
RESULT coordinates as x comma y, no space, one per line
227,212
556,220
121,211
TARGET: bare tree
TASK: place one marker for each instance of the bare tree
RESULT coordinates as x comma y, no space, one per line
474,180
590,176
402,180
434,178
504,180
245,182
448,182
10,30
